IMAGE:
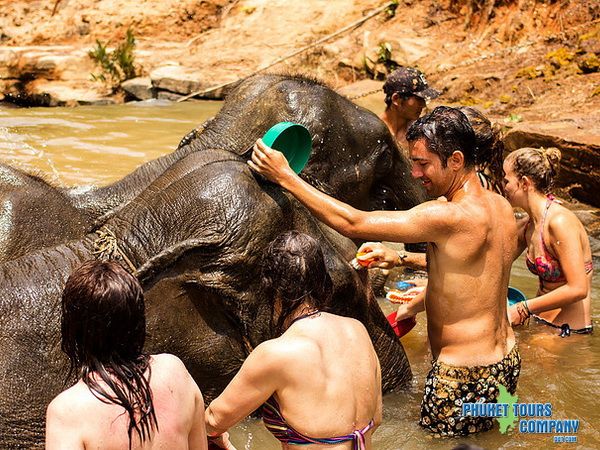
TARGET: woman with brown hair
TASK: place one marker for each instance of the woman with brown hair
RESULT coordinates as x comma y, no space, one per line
124,398
318,380
558,248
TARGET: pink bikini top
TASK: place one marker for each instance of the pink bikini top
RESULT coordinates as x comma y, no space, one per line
546,266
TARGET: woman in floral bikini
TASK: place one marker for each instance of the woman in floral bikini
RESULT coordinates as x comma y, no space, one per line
558,248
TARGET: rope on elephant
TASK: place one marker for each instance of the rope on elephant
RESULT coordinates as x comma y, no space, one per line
107,247
388,6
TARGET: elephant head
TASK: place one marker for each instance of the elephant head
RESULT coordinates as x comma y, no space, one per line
354,157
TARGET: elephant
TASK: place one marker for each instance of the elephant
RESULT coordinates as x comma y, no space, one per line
194,237
247,111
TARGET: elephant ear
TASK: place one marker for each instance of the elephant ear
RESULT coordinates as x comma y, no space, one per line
194,315
168,258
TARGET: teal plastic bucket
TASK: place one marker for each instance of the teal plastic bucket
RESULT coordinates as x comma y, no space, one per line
291,139
515,296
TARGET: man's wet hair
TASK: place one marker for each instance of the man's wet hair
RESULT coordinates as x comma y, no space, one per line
294,272
103,329
446,130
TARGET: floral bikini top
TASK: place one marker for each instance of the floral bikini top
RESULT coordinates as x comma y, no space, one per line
546,266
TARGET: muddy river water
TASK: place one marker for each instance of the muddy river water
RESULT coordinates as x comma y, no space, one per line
96,145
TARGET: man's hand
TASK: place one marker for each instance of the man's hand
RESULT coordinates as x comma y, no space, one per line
404,312
269,163
220,441
382,256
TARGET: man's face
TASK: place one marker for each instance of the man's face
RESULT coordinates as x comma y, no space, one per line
427,167
411,107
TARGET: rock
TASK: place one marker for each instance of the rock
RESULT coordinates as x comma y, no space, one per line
51,62
588,217
361,88
54,93
141,88
590,46
176,79
166,95
579,142
456,88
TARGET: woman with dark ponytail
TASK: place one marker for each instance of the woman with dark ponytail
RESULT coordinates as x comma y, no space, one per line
556,243
319,379
489,152
124,398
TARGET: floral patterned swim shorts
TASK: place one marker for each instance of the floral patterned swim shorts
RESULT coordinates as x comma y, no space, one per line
448,387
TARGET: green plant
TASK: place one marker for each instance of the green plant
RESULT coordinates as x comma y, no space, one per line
390,11
117,65
513,117
384,56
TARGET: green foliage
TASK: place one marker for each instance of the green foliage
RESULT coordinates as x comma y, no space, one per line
117,65
589,63
513,117
390,11
384,56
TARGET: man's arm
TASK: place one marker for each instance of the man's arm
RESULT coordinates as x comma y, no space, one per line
423,223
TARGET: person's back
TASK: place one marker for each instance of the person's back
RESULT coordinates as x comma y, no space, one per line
329,390
94,424
466,305
318,381
124,398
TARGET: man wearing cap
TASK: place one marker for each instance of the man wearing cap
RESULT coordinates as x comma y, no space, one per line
406,93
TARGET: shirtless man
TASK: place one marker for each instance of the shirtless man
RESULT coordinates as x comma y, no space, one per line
406,93
471,242
124,398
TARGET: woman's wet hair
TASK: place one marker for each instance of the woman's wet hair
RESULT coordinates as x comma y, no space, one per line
446,130
294,273
103,328
489,147
540,165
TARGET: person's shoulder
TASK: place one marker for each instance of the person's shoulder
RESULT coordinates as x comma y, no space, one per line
167,360
168,371
68,406
168,365
501,203
281,351
563,220
350,322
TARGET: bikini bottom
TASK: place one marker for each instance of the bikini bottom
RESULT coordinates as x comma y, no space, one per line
565,329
